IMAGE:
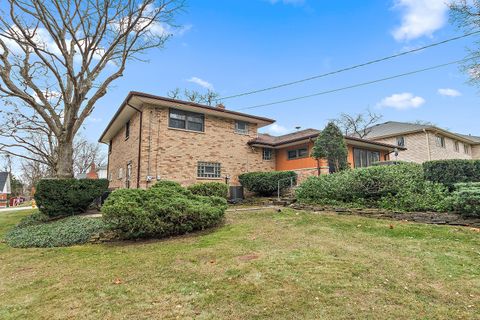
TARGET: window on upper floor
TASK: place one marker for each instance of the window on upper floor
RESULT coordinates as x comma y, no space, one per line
456,146
267,154
297,153
127,129
466,148
208,170
241,127
440,141
180,119
401,141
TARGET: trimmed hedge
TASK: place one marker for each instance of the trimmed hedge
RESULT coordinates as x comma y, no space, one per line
450,172
209,189
399,187
266,183
466,199
166,209
59,233
63,197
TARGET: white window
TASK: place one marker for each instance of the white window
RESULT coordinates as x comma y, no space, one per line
209,170
120,173
241,127
401,141
440,141
466,148
267,154
457,146
110,176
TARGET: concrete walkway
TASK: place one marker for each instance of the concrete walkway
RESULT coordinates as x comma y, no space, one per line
15,209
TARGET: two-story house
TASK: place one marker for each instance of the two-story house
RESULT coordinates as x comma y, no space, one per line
425,142
152,138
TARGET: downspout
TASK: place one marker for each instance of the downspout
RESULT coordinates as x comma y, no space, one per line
139,143
428,145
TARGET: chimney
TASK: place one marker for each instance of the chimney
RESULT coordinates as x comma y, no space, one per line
221,106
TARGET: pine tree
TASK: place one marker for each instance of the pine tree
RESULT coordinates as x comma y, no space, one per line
330,145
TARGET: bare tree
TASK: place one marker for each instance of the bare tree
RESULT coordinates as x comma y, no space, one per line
466,15
85,154
358,125
59,57
208,98
32,172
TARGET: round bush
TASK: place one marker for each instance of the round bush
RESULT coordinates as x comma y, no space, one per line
63,197
59,233
210,189
161,211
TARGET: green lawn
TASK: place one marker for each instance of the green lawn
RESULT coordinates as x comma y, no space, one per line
258,265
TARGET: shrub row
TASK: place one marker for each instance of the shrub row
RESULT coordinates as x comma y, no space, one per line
210,189
266,183
165,209
399,187
66,232
450,172
63,197
466,199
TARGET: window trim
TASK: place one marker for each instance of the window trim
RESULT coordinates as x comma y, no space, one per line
368,159
217,170
456,146
186,114
241,131
270,158
466,148
297,153
404,141
440,141
127,129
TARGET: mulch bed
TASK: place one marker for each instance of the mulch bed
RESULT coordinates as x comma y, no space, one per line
421,217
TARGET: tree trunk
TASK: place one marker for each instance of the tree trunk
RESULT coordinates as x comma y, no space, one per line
64,168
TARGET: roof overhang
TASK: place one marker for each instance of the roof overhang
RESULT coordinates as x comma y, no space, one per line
136,101
356,142
431,129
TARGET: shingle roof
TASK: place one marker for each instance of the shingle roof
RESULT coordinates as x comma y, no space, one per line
286,138
469,136
3,180
266,139
394,127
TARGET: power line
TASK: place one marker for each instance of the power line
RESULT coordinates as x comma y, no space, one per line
348,68
358,84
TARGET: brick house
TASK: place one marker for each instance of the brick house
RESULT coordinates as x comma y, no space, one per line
425,142
152,138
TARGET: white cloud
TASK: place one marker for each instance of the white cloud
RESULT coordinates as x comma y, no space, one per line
276,129
420,18
449,92
201,82
402,101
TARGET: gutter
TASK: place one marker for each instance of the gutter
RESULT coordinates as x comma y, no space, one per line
428,145
139,142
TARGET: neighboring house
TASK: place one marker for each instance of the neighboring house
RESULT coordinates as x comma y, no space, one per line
152,138
425,142
93,173
5,188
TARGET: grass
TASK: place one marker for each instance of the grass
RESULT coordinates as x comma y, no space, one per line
258,265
